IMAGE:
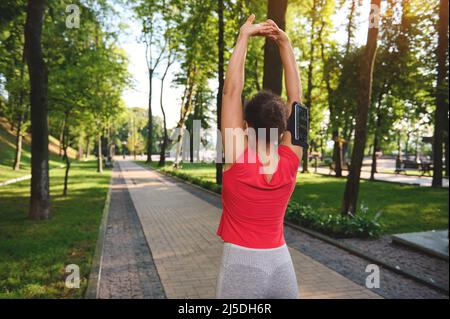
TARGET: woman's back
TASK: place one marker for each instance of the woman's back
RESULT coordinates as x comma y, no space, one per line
253,206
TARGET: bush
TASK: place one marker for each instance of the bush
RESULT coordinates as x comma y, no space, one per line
194,180
361,225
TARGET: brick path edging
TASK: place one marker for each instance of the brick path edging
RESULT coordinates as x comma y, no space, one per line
95,274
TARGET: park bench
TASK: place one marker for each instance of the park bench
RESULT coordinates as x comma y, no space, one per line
423,168
402,165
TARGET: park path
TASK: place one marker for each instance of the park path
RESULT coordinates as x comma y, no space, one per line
179,224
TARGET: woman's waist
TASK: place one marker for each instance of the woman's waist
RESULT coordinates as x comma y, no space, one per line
267,259
262,223
240,247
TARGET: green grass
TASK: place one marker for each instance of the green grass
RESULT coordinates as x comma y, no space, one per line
7,155
34,254
403,208
408,172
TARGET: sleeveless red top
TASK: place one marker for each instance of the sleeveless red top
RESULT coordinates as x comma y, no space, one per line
253,208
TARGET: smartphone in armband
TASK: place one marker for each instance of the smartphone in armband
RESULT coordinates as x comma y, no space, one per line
298,125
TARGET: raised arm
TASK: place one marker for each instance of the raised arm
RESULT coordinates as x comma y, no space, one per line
232,113
291,76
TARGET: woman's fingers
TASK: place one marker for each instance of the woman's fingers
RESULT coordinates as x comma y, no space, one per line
262,28
266,28
273,24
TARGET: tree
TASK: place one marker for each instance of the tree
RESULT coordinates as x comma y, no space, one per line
364,100
12,67
441,113
310,86
147,11
273,68
170,61
196,57
40,192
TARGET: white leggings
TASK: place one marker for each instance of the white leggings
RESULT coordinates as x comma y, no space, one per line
247,273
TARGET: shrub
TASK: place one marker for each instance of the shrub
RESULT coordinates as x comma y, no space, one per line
361,225
194,180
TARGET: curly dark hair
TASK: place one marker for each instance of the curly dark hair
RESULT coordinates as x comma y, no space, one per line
266,110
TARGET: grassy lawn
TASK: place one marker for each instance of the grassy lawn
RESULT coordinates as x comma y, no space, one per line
34,253
403,208
7,155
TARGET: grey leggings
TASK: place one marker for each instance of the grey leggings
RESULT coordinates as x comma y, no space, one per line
247,273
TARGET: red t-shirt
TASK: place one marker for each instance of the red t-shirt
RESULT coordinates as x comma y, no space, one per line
252,208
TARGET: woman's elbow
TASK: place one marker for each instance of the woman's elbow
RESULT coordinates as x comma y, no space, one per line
232,90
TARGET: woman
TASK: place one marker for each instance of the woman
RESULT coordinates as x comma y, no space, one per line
256,262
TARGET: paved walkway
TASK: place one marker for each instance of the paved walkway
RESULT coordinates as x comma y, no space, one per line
386,177
127,267
180,227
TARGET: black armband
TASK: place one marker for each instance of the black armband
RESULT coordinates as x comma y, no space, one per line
298,125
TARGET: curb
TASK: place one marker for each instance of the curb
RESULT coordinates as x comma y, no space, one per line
95,274
333,242
23,178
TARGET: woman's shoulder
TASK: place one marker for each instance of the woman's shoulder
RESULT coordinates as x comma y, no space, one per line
285,152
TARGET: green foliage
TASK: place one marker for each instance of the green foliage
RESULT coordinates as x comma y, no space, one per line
361,225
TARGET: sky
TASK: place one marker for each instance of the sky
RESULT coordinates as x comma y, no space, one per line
138,95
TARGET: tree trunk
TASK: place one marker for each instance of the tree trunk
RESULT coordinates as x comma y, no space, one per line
16,165
408,138
162,156
441,103
341,149
308,101
365,91
446,149
80,148
66,156
376,145
88,147
198,105
21,118
185,110
350,26
337,149
376,140
99,154
150,118
273,67
61,136
40,192
220,44
337,153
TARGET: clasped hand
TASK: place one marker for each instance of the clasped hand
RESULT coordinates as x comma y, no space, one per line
267,29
